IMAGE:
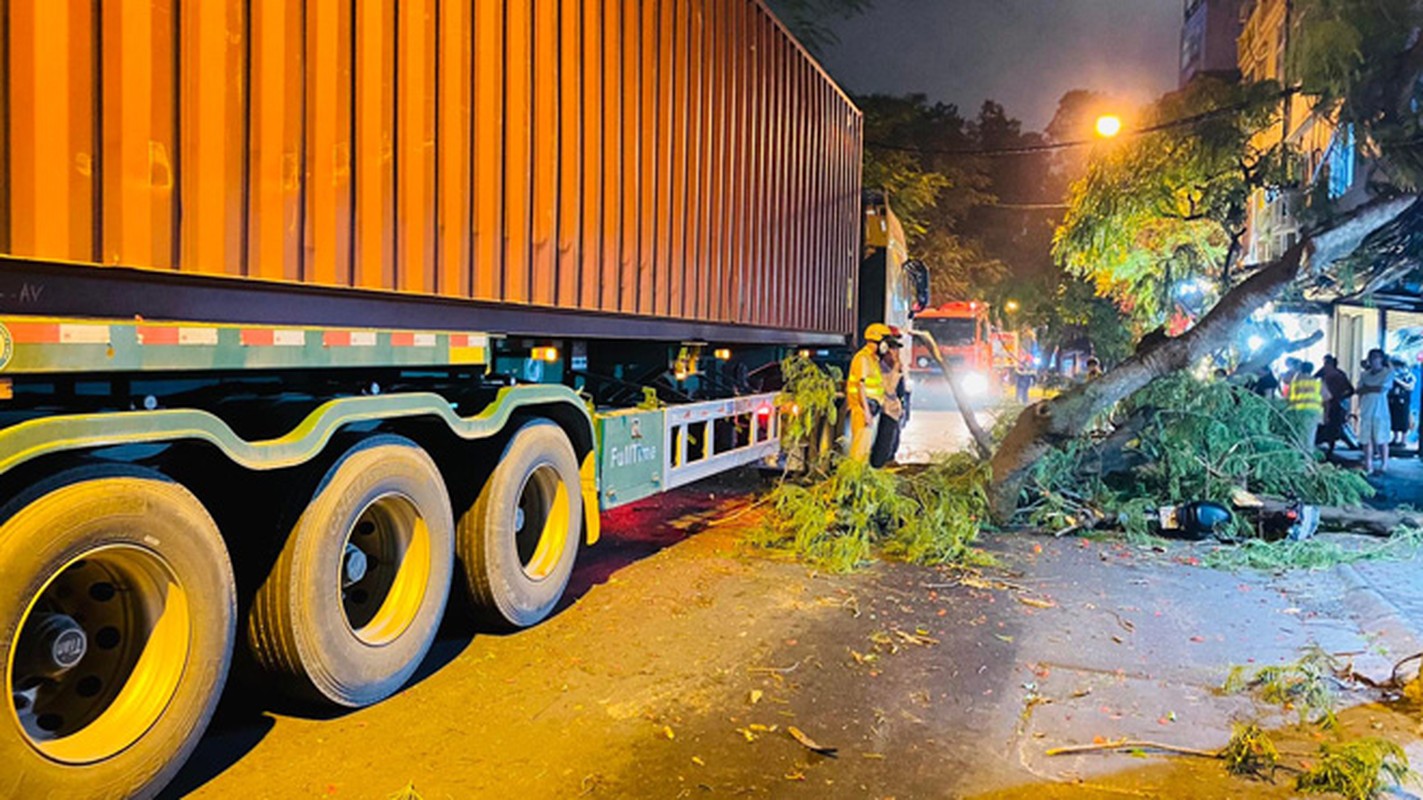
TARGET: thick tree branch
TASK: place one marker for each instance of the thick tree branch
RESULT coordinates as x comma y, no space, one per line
1273,349
1364,520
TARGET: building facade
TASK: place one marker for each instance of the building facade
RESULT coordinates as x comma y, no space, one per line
1208,38
1327,165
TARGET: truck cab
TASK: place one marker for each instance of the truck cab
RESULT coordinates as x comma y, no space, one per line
965,339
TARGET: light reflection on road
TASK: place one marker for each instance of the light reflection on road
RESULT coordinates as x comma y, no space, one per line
936,426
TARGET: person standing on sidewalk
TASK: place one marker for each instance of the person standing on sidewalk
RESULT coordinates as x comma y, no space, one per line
1400,397
1306,404
1265,384
1338,390
1373,386
1292,370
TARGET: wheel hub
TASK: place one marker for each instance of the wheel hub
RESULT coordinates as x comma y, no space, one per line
55,644
541,522
355,564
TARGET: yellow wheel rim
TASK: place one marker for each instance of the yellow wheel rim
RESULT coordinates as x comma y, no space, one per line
100,653
385,569
541,522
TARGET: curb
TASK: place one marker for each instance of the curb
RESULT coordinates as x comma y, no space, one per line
1374,612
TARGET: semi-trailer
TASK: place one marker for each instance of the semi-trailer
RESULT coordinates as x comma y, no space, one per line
310,311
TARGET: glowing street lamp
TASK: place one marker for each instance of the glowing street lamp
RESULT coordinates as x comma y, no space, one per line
1108,125
1011,306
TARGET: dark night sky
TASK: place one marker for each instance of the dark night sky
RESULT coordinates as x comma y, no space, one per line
1023,53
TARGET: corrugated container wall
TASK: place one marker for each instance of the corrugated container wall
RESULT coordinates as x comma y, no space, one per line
673,158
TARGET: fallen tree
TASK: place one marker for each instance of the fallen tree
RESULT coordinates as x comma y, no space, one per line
1051,423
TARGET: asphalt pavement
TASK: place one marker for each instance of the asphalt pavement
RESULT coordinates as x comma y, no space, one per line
683,659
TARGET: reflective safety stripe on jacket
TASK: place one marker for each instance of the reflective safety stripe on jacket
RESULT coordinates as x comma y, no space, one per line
1306,395
865,376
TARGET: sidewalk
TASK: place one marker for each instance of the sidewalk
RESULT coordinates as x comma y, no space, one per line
1388,595
1402,485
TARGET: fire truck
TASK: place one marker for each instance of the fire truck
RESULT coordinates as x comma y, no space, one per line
966,341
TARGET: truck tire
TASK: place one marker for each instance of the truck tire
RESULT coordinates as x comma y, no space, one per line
519,540
354,600
117,619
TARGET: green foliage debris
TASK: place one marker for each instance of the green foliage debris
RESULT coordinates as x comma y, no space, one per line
1311,553
1359,769
1250,751
931,516
1183,439
1307,686
810,395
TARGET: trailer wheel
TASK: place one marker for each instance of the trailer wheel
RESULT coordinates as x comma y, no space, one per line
519,540
354,600
117,609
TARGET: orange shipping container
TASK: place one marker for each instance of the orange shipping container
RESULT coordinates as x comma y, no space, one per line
679,162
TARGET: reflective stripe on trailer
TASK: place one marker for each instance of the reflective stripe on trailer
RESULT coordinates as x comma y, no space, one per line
48,345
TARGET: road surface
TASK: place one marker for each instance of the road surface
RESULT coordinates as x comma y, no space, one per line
683,658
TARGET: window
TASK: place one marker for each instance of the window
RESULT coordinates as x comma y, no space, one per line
955,331
1341,162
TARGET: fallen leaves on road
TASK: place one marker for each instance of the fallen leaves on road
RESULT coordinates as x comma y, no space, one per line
809,743
1036,603
864,658
754,731
918,637
775,670
891,639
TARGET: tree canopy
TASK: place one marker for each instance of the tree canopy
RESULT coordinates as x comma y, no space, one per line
1359,61
1168,205
809,20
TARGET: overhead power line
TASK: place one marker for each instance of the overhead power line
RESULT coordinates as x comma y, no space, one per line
1048,147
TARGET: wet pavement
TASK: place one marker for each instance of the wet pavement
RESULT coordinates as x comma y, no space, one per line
682,660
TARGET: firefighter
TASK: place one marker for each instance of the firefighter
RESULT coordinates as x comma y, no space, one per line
864,389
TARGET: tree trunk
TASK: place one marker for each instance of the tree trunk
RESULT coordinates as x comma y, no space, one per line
1363,520
1050,423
